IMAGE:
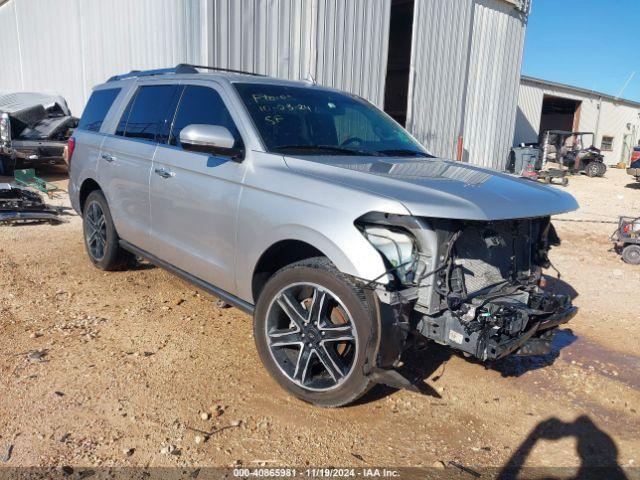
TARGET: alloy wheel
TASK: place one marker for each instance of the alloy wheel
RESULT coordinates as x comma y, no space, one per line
95,231
311,336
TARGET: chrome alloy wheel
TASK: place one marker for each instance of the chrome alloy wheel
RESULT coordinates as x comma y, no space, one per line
95,231
311,336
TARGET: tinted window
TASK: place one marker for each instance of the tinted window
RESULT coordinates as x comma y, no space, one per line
201,105
97,107
309,120
149,113
122,124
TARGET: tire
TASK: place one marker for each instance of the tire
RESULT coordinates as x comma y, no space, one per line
7,166
631,254
333,374
602,168
591,169
100,237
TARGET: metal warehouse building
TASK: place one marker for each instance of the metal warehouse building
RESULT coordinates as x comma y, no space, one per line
447,69
544,105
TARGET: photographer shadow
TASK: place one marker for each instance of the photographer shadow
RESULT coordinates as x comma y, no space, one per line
597,450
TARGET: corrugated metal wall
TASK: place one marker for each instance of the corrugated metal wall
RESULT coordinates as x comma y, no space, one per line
613,118
339,43
68,46
465,76
465,59
528,114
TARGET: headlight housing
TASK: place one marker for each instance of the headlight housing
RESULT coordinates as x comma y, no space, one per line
396,247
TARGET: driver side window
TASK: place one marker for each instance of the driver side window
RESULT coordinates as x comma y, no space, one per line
201,105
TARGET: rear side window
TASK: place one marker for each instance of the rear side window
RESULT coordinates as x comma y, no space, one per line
201,105
97,107
149,113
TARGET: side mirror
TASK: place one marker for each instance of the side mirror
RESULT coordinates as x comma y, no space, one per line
212,139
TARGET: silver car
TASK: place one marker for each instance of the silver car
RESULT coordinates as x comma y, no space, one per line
315,212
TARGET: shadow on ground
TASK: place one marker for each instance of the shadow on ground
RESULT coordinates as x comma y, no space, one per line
597,451
514,366
50,173
419,364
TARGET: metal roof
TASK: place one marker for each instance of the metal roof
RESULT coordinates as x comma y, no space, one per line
578,90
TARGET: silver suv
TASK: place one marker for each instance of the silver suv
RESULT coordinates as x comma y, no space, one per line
315,212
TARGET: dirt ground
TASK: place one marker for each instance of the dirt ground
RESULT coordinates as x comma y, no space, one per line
112,368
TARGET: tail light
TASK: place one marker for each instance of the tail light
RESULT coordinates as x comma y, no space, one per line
71,146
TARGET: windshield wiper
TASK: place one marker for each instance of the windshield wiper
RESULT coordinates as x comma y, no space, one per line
405,152
323,149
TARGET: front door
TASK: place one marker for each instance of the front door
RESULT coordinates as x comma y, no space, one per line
194,196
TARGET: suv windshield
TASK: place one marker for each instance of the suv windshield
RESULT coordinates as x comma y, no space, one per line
310,121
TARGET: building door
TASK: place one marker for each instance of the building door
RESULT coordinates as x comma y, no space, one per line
396,94
559,113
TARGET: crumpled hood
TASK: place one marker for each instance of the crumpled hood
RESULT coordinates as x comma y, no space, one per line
439,188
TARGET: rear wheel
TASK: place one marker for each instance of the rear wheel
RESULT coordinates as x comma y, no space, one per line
316,331
631,254
100,237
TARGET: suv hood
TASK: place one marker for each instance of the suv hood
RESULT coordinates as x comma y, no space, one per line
439,188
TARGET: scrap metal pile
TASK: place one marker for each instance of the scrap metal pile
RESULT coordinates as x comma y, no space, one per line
21,205
34,128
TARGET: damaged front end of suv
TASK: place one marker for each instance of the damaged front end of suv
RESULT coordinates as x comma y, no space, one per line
472,285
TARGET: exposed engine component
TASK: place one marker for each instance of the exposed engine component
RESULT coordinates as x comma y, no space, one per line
473,285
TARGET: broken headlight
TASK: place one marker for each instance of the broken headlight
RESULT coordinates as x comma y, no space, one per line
5,127
396,247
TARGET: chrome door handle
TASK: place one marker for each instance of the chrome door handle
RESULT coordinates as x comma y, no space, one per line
107,157
164,173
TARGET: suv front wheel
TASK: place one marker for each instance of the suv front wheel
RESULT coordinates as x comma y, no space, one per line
316,331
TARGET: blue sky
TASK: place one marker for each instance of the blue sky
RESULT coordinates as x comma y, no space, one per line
587,43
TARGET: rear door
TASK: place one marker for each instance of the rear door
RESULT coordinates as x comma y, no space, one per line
126,158
193,208
88,140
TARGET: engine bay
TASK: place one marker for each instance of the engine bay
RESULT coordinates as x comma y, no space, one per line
477,286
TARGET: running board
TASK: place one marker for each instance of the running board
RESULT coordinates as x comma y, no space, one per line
212,289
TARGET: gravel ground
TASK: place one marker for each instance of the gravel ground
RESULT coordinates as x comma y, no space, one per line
138,368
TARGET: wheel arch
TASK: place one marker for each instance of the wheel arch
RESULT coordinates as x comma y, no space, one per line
349,252
88,185
277,256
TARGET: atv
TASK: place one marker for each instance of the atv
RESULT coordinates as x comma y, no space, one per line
568,149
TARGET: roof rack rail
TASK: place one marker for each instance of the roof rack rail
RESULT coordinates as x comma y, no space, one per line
180,68
219,69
